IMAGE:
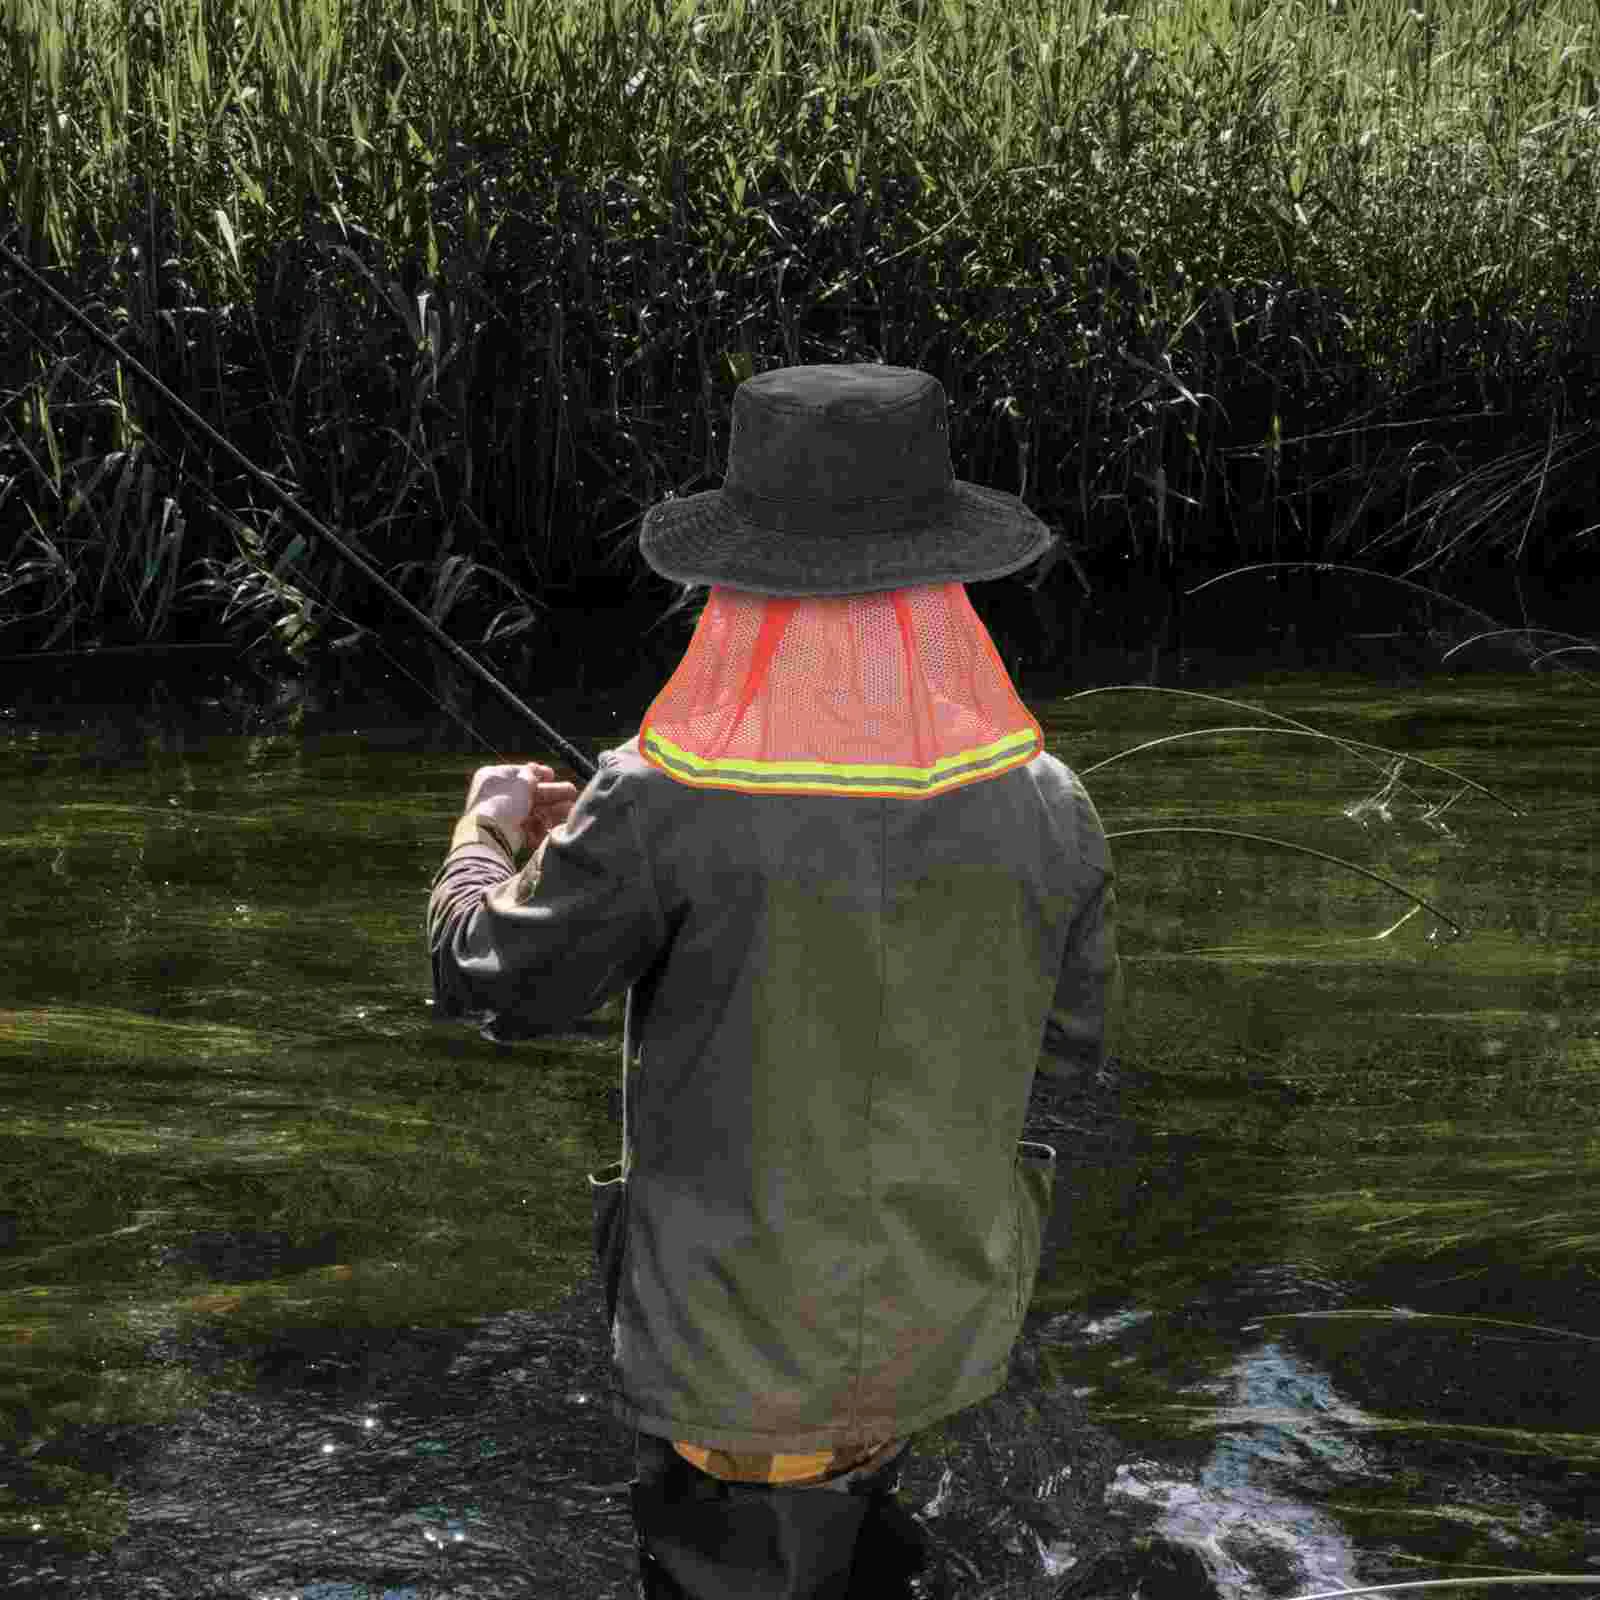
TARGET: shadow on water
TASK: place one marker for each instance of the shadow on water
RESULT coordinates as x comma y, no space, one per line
1243,1376
364,1461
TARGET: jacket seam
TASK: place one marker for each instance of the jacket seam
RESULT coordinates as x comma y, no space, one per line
872,1090
657,909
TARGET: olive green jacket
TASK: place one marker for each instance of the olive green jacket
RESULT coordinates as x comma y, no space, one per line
835,1008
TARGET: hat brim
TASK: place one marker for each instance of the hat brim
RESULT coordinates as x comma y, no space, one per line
700,539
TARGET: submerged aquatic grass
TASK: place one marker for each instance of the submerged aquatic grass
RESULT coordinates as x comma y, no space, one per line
1394,1314
1503,1580
1582,1449
368,1171
1533,1203
114,1034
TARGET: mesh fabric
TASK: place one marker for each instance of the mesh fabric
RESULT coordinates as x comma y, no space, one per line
898,692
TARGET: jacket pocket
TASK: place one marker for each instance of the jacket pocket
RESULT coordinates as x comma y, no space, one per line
608,1202
1033,1182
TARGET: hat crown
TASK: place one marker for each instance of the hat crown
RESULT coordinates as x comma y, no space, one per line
839,482
839,449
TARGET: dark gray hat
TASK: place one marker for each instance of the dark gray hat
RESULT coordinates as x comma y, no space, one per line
839,482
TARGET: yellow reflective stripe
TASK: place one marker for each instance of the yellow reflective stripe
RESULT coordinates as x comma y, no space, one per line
826,777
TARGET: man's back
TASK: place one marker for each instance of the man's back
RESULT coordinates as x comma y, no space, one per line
836,1012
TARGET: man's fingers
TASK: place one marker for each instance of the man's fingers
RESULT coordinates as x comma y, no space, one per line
537,781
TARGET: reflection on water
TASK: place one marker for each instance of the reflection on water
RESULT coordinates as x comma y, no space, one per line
1280,1426
295,1292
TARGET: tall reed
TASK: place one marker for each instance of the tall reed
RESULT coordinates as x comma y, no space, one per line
479,277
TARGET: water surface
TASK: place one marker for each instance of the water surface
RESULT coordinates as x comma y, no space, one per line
296,1300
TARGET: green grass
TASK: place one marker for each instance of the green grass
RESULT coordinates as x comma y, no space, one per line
1346,110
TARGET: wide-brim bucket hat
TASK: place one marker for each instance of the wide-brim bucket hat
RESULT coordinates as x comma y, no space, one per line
839,482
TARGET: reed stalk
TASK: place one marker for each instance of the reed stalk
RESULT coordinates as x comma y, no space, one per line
478,279
1302,733
1309,850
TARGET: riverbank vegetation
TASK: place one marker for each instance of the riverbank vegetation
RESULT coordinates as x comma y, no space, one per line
1207,281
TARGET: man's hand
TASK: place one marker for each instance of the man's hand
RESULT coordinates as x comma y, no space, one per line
524,801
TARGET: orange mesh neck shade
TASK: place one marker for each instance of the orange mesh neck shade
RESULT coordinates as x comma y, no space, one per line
900,692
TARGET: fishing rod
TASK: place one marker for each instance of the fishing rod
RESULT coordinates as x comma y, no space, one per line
576,759
206,494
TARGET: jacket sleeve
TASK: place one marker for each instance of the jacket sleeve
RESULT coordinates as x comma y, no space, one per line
547,945
1084,1023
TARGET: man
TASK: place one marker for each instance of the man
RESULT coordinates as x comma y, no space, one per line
853,905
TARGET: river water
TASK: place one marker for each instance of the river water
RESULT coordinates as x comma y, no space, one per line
296,1299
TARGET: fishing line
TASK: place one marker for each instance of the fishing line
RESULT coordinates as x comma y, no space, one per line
576,758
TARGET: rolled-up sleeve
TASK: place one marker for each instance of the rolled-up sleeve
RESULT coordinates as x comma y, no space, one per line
576,926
